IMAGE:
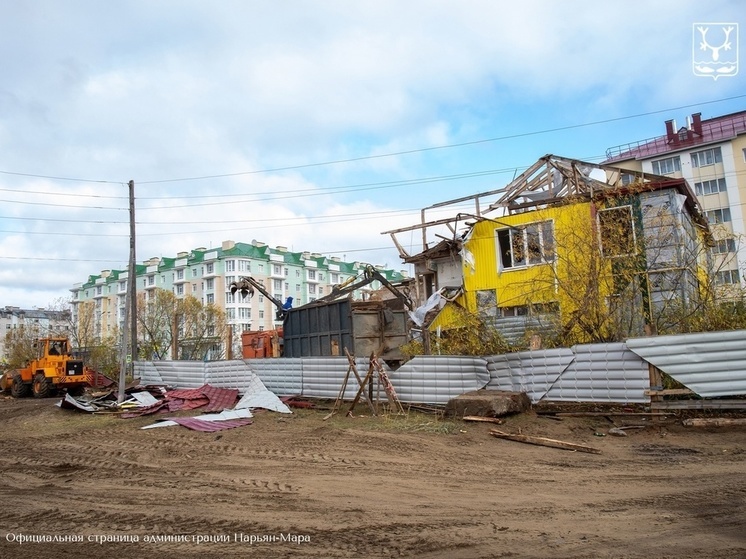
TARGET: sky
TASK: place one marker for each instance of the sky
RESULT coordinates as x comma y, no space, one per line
311,125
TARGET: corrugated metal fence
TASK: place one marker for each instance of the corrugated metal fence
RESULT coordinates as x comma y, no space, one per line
710,364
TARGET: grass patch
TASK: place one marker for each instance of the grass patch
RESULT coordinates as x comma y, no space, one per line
413,421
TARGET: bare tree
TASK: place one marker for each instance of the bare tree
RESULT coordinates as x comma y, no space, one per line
201,330
156,318
185,328
638,266
20,346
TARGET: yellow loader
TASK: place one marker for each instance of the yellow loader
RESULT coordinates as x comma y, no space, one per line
53,369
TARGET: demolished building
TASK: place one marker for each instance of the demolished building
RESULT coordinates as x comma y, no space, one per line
568,246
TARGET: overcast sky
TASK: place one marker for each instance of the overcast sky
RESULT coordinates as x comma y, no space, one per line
314,125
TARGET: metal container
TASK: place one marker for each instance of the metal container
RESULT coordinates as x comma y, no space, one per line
361,327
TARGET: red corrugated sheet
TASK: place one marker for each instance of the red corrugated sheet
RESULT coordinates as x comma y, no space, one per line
206,397
220,398
197,424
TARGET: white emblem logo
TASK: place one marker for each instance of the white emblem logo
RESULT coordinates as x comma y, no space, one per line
715,49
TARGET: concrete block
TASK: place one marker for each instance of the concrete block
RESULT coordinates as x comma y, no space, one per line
488,403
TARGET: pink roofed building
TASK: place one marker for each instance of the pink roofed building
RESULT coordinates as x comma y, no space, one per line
711,155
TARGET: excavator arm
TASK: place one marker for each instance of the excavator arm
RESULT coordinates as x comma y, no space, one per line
370,274
246,285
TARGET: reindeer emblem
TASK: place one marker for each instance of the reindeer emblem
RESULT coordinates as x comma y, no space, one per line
704,45
711,59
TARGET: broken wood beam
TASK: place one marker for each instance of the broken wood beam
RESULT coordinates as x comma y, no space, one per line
669,392
600,413
714,421
542,441
483,419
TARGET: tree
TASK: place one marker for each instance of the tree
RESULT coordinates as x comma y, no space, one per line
81,329
638,264
466,333
184,328
20,346
201,330
155,319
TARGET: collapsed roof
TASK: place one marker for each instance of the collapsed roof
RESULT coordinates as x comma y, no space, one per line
552,180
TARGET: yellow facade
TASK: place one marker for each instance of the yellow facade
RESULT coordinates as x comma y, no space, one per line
529,284
596,290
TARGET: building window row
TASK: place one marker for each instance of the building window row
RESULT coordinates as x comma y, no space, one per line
724,246
727,277
667,166
721,215
710,187
707,157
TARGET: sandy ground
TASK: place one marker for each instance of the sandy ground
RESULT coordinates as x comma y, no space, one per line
296,486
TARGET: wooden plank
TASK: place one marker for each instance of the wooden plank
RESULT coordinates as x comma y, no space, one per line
483,419
669,392
601,413
699,405
656,383
714,421
541,441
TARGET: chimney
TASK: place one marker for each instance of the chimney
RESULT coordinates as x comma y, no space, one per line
227,245
671,134
697,123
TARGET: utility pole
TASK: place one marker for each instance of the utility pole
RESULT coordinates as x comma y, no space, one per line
130,309
132,274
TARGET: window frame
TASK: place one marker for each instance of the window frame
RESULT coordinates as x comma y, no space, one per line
716,154
533,242
675,162
600,225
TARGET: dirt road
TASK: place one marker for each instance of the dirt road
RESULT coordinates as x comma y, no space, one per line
296,486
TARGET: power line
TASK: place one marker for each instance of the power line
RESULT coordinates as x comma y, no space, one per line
57,205
445,146
384,155
56,259
66,194
56,178
100,261
60,233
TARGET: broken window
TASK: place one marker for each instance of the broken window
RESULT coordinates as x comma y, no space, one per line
487,302
527,245
520,310
617,231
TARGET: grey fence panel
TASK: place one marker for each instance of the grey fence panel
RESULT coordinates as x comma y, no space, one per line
602,373
232,374
532,372
181,374
147,373
283,376
712,364
435,379
323,376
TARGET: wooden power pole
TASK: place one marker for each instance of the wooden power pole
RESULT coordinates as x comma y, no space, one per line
130,304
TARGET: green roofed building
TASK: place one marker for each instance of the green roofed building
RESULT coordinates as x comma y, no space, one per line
207,274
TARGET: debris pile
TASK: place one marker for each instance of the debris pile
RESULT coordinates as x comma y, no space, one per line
152,399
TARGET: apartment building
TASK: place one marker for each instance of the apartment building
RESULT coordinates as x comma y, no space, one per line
207,274
711,155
